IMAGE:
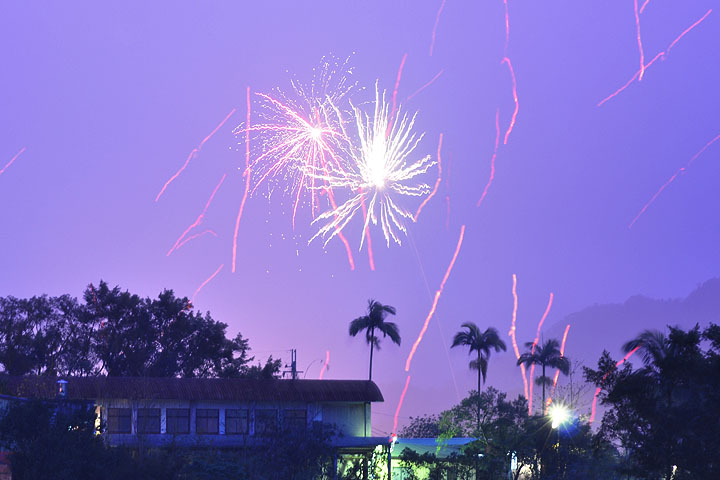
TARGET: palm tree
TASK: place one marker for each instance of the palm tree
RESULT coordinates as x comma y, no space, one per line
375,319
547,355
652,345
482,343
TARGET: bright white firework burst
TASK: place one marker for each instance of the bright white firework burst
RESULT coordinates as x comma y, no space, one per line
382,169
303,134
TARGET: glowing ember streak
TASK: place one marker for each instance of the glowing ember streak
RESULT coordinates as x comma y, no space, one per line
435,300
380,174
197,235
599,389
199,219
192,300
432,80
246,174
193,154
494,156
534,345
371,257
557,372
629,82
434,30
397,410
12,160
342,238
639,40
325,365
394,95
644,5
512,333
437,182
662,55
667,52
671,179
507,27
515,98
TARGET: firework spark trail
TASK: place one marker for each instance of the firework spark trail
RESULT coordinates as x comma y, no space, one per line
399,405
507,27
380,172
325,365
192,300
246,174
599,389
434,30
371,257
494,156
639,40
12,160
667,52
557,372
345,242
200,217
197,235
193,154
644,5
437,182
662,55
432,80
394,95
515,98
535,342
512,333
629,82
435,300
671,179
437,323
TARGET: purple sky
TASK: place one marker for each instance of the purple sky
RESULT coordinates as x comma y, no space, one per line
110,100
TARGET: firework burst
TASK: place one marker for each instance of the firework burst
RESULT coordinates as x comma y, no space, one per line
301,132
381,172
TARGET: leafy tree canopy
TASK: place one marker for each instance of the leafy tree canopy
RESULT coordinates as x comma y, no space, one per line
118,333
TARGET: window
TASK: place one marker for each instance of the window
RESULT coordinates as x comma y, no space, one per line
236,422
177,420
265,420
148,420
206,420
119,420
295,419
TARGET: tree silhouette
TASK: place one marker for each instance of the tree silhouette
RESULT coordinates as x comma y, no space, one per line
546,355
482,343
375,319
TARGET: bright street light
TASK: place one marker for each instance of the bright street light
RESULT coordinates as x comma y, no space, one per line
559,414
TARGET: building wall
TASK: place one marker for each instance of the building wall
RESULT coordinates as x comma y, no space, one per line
352,419
348,418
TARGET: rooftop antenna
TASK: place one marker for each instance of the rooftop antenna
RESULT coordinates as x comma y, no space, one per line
293,366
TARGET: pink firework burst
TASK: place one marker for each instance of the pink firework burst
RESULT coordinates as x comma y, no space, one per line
300,132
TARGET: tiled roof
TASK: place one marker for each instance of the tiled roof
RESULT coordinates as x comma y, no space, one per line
218,389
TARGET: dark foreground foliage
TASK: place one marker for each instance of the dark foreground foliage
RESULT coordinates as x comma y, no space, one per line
664,414
117,333
58,441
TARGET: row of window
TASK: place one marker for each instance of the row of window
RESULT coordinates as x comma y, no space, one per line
207,420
